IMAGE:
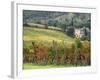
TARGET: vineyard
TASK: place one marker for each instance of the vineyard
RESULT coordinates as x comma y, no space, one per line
45,48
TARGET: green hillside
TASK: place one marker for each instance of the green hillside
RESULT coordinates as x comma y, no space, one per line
44,35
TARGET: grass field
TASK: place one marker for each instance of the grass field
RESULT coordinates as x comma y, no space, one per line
32,66
44,35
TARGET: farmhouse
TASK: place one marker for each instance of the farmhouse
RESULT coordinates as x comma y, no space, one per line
78,32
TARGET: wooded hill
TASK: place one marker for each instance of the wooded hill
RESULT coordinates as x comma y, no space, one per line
57,19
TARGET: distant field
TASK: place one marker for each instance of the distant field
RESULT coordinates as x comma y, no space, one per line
44,35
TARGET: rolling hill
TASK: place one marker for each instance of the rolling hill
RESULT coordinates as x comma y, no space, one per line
44,35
